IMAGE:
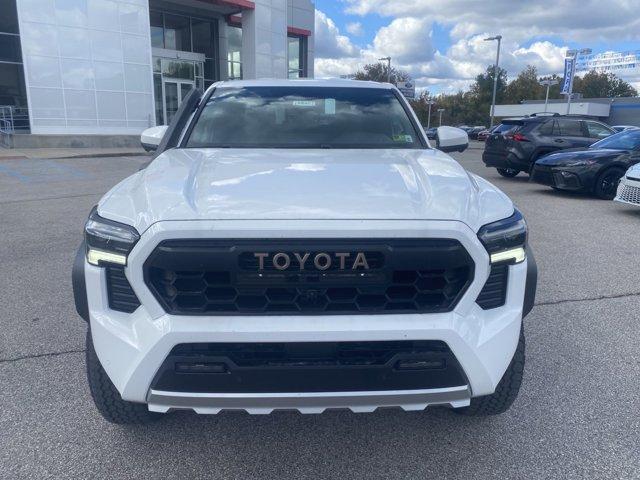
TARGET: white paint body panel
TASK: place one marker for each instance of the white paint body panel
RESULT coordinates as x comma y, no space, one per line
285,193
132,346
282,184
153,136
452,137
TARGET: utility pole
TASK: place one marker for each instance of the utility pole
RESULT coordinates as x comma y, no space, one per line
440,110
573,54
388,60
495,76
547,83
429,102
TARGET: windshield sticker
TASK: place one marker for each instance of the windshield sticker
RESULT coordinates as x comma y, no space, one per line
304,103
330,106
403,138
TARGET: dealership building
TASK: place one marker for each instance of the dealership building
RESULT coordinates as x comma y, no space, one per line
614,111
116,67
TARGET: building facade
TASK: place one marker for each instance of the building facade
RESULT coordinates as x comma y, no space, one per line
614,111
119,66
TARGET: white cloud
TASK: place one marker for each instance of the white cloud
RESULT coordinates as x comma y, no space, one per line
406,40
329,43
355,29
581,20
407,37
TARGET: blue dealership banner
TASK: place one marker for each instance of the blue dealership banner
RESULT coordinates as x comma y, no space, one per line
569,70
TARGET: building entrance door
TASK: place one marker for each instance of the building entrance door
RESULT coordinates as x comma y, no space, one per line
173,93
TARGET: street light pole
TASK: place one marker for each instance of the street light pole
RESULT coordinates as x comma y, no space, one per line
429,102
495,76
547,83
440,110
388,60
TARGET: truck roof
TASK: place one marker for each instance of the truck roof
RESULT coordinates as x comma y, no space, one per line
330,82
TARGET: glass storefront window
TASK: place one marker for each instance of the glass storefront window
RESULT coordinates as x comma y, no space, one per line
177,32
9,16
209,70
234,52
235,71
174,77
296,53
203,33
157,95
178,69
13,92
157,29
10,48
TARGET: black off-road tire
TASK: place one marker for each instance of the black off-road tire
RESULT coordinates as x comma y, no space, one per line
506,391
107,398
508,172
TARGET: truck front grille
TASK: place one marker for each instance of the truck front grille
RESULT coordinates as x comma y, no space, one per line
223,277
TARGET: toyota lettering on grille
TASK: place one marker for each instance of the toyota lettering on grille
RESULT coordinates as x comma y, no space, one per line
308,261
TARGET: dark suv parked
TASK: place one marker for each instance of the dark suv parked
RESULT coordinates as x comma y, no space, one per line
517,149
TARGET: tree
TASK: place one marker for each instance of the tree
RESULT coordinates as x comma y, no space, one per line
481,94
482,89
554,90
377,72
421,106
525,86
603,85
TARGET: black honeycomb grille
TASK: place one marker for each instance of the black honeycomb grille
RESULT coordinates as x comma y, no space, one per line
222,278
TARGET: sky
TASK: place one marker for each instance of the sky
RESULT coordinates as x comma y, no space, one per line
440,43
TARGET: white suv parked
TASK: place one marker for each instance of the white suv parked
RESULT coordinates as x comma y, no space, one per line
299,245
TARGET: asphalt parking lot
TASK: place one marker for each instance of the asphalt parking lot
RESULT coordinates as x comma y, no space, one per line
576,416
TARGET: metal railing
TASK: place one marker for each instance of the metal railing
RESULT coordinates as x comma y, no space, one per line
6,125
13,120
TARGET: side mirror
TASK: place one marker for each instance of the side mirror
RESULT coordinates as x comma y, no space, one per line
451,139
151,137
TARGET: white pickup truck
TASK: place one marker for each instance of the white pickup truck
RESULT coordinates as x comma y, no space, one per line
300,245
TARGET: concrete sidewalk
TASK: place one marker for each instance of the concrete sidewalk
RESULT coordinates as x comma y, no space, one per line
25,153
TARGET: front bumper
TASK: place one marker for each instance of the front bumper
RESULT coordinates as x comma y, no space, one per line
132,347
563,178
629,191
318,402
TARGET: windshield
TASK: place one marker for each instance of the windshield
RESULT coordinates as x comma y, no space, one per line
304,117
627,140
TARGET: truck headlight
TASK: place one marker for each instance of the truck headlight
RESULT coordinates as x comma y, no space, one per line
108,241
505,240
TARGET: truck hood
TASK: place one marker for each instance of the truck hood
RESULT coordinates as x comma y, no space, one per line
290,184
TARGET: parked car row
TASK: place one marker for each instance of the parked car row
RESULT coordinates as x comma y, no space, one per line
569,153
